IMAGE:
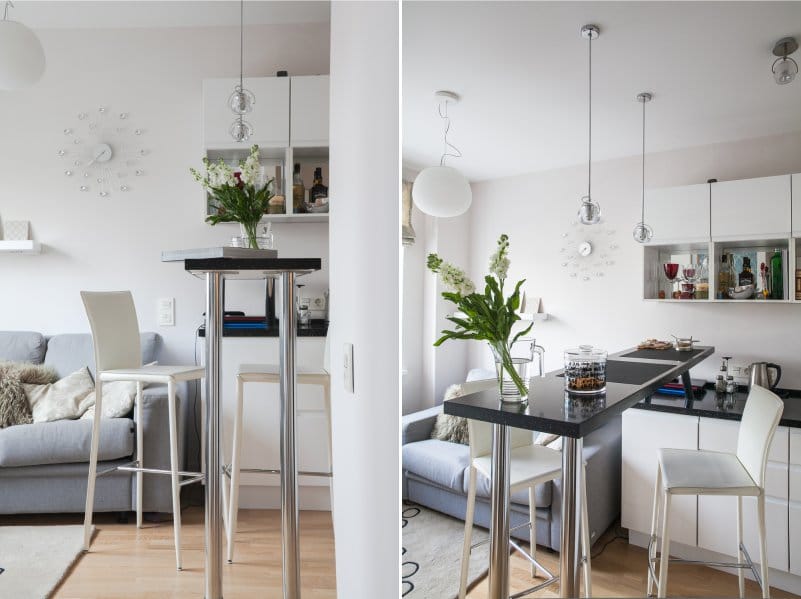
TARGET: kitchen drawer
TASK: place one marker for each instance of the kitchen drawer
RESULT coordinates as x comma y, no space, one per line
795,444
776,530
795,484
795,538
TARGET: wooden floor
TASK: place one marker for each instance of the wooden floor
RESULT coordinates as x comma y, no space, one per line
620,571
128,563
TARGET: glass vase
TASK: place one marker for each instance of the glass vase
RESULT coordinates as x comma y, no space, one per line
514,370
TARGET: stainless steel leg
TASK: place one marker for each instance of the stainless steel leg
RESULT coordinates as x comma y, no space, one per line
213,490
289,482
499,520
571,470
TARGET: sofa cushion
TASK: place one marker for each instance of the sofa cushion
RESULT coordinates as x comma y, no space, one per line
67,353
64,441
60,400
22,346
439,461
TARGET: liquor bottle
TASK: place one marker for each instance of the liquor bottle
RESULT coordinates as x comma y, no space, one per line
776,279
746,277
298,191
318,194
724,276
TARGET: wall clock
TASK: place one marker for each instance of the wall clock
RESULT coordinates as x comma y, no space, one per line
587,251
103,152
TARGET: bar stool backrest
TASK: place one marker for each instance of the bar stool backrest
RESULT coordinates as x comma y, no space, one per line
763,410
481,432
115,329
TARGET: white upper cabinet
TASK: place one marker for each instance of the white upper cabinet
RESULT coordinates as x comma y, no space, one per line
751,209
678,214
796,205
309,111
269,117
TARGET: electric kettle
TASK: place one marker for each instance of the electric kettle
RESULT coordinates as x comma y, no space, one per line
758,375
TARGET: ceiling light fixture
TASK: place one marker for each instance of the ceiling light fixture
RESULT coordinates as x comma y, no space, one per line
442,190
22,59
241,101
784,69
642,232
589,212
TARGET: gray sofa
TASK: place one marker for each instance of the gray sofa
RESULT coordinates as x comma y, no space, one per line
43,466
435,474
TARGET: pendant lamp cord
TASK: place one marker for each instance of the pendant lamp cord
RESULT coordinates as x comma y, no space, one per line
241,52
454,151
589,134
9,3
642,217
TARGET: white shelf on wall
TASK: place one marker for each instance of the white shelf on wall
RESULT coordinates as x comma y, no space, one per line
22,246
288,218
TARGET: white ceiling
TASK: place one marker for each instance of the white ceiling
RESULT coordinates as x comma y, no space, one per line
521,69
66,14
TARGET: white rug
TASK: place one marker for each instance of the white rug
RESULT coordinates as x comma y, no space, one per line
35,558
432,554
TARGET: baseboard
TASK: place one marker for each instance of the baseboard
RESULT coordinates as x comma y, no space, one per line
778,579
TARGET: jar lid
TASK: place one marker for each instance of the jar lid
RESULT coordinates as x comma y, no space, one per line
586,352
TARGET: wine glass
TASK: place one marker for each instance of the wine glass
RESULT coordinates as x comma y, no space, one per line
671,272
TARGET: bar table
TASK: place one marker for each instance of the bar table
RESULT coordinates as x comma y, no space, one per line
631,375
215,265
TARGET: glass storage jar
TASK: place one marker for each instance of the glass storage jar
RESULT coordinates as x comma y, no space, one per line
585,370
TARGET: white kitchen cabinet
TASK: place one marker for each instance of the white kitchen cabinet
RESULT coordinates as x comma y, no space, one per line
678,214
751,209
269,117
644,432
717,516
309,111
796,185
261,422
795,501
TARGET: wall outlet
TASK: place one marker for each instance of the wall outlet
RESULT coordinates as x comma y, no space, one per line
739,372
348,364
317,303
165,310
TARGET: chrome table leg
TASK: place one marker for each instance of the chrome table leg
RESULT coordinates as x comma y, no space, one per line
571,470
289,483
213,525
499,520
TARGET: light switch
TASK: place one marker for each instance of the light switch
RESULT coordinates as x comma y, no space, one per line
166,312
348,363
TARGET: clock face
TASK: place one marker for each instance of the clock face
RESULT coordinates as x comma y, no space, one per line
587,251
103,152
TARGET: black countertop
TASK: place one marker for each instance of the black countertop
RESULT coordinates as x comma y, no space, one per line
723,406
550,409
317,328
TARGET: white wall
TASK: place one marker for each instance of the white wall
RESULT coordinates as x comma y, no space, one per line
535,209
365,260
115,243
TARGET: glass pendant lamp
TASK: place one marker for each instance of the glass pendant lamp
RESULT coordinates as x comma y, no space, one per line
643,232
241,100
589,212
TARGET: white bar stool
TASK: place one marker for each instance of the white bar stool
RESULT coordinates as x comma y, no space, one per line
269,373
702,472
530,465
118,357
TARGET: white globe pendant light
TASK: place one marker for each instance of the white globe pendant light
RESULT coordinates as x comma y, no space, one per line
22,59
443,191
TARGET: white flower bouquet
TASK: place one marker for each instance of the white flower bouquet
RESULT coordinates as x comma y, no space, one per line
237,197
487,316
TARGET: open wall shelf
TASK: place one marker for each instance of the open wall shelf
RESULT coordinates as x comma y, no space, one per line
11,246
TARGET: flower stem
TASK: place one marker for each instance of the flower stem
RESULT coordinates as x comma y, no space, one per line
502,352
250,231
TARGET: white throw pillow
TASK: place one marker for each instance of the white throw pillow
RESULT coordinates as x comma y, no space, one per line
62,399
118,399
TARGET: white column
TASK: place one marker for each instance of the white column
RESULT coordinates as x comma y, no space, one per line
364,272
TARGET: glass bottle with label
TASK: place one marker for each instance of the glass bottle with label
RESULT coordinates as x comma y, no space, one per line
724,276
298,191
776,279
746,276
318,194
